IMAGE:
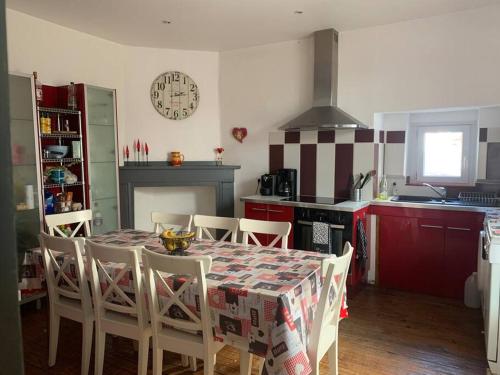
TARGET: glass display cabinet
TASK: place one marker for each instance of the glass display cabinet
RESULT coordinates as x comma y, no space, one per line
102,157
26,179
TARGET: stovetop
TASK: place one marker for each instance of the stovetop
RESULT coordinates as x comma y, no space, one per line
317,200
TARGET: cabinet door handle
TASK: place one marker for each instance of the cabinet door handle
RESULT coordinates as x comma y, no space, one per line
431,226
276,211
310,223
457,228
258,209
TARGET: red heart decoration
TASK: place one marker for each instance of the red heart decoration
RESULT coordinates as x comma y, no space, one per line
239,134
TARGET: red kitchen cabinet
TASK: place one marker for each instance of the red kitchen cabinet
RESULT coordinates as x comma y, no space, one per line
426,274
395,242
460,261
281,213
427,250
257,211
270,212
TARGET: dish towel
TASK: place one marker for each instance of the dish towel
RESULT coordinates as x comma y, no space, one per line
321,237
361,244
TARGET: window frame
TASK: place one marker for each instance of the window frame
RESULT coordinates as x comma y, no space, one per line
415,154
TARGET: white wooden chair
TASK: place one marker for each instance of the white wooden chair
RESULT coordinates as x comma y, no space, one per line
278,228
116,312
179,335
203,223
83,218
67,298
163,221
325,329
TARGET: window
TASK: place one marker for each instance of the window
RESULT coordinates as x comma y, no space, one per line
442,153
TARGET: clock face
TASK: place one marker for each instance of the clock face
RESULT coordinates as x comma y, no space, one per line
174,95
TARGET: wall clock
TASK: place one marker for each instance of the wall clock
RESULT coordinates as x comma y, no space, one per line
174,95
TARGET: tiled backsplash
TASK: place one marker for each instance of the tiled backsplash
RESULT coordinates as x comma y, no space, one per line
327,160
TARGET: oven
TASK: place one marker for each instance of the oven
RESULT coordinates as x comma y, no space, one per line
340,228
489,289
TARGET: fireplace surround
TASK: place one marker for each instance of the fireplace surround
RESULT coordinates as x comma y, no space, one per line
158,174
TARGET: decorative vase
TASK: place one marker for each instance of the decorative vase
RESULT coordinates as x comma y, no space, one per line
176,158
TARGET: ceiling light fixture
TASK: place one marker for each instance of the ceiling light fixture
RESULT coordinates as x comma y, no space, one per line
298,12
166,22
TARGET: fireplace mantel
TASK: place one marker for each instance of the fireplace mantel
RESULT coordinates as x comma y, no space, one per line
158,174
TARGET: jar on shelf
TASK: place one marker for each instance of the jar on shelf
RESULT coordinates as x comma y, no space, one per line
72,96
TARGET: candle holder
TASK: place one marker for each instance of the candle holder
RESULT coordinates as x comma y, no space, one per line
218,155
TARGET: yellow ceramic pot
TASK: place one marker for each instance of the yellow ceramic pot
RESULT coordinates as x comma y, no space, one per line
176,158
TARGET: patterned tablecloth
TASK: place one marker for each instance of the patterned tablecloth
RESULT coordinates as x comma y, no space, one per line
261,298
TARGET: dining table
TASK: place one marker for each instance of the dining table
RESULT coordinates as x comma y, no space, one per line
261,299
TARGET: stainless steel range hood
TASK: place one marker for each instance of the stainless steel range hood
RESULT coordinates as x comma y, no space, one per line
325,114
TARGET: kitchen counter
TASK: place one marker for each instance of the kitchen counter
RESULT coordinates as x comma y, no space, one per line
347,206
350,206
432,206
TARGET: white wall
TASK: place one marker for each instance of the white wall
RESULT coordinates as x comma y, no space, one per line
261,88
198,135
437,62
61,55
444,61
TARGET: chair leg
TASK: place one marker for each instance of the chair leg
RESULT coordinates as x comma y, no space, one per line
184,360
53,336
333,358
143,356
245,362
209,364
314,362
157,359
87,331
193,366
262,363
100,345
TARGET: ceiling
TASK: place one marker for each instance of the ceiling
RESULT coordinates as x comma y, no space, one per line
218,25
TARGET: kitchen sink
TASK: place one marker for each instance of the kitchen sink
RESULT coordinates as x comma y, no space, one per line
428,200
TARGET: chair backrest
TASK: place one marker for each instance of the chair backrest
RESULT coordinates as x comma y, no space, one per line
83,218
64,269
203,223
163,221
334,271
278,228
170,305
116,281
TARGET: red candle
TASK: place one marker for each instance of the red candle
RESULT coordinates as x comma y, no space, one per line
127,153
138,145
146,148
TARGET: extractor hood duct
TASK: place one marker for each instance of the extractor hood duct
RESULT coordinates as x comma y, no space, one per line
325,114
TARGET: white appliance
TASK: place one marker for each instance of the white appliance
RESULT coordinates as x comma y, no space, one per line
489,286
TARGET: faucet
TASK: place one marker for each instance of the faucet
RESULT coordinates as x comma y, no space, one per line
441,191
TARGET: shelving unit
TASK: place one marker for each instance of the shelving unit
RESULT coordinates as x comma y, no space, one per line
62,160
62,136
59,136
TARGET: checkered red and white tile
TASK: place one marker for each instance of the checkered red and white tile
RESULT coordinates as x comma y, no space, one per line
327,161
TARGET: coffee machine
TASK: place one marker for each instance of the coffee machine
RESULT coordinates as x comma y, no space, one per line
286,182
267,184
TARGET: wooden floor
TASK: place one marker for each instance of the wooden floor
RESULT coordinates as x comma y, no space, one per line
388,332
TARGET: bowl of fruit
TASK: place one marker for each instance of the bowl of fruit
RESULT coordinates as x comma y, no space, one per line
176,242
